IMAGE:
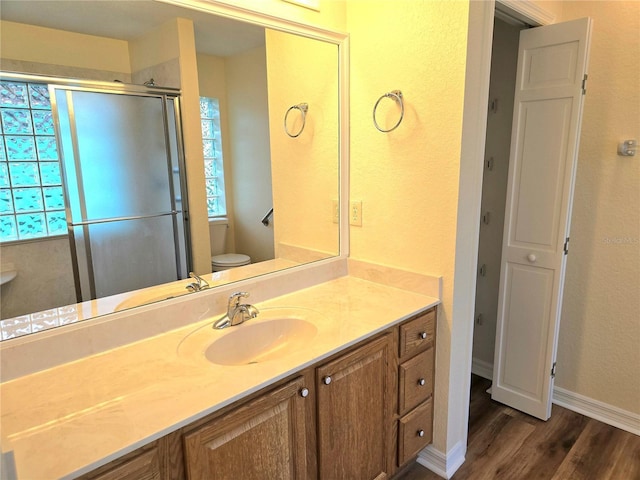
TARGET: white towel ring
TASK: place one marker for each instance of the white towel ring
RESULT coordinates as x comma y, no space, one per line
394,95
303,107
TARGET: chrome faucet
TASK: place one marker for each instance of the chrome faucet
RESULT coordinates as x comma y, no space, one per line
199,284
236,312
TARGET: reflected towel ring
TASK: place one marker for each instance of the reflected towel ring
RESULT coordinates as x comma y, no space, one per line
303,107
394,95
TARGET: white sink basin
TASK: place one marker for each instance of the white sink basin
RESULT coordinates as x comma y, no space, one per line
260,342
275,333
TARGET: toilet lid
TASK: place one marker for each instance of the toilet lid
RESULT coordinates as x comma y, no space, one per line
230,259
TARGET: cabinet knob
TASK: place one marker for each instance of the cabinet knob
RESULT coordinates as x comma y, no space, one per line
421,382
327,380
420,433
531,257
304,392
422,335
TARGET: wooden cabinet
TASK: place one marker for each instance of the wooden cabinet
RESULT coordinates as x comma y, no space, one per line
266,438
415,385
145,466
159,460
362,414
415,431
415,380
417,334
353,413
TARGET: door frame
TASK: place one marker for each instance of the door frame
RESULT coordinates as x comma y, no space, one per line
476,97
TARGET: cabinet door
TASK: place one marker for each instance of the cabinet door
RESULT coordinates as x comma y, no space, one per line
159,460
354,414
266,438
146,466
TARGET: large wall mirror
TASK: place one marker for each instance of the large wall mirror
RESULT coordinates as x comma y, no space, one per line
244,116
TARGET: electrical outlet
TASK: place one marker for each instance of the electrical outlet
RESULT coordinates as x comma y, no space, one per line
355,213
336,212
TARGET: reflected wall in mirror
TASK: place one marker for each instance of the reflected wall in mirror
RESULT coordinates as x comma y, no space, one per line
254,74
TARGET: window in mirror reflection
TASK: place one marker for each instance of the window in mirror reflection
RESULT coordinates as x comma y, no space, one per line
31,198
212,148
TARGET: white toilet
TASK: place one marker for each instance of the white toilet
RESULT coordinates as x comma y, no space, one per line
229,260
220,260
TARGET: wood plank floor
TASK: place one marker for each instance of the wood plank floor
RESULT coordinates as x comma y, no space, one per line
510,445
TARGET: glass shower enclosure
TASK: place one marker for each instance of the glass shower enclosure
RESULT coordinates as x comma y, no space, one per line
122,162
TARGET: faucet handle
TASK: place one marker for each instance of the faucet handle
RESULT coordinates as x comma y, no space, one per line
236,297
200,284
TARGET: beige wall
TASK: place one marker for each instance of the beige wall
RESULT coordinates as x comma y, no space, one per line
44,280
598,350
212,80
251,168
34,44
304,169
408,179
156,55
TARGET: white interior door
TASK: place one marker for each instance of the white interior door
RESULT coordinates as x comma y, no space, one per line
552,64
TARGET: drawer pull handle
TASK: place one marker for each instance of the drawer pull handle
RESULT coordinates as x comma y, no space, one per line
420,433
304,392
422,335
327,380
421,382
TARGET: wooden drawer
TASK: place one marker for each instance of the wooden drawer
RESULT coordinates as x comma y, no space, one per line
416,380
415,431
417,334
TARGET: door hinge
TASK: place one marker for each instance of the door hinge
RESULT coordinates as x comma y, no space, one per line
584,84
553,370
566,246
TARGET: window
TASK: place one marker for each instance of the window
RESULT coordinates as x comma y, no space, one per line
31,197
212,148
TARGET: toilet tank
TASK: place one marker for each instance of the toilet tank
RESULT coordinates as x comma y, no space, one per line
218,235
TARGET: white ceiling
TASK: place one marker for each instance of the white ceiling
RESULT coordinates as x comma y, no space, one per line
127,19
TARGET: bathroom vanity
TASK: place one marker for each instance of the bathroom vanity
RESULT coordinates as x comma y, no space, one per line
335,419
355,400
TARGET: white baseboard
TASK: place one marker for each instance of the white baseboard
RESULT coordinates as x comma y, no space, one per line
597,410
482,369
444,465
603,412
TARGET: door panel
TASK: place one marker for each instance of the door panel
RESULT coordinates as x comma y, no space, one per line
552,63
542,170
528,296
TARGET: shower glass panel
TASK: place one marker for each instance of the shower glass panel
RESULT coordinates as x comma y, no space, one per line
122,173
144,240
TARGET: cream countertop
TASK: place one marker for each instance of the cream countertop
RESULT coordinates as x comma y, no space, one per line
72,418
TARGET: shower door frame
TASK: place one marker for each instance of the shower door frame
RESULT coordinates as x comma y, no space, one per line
119,88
